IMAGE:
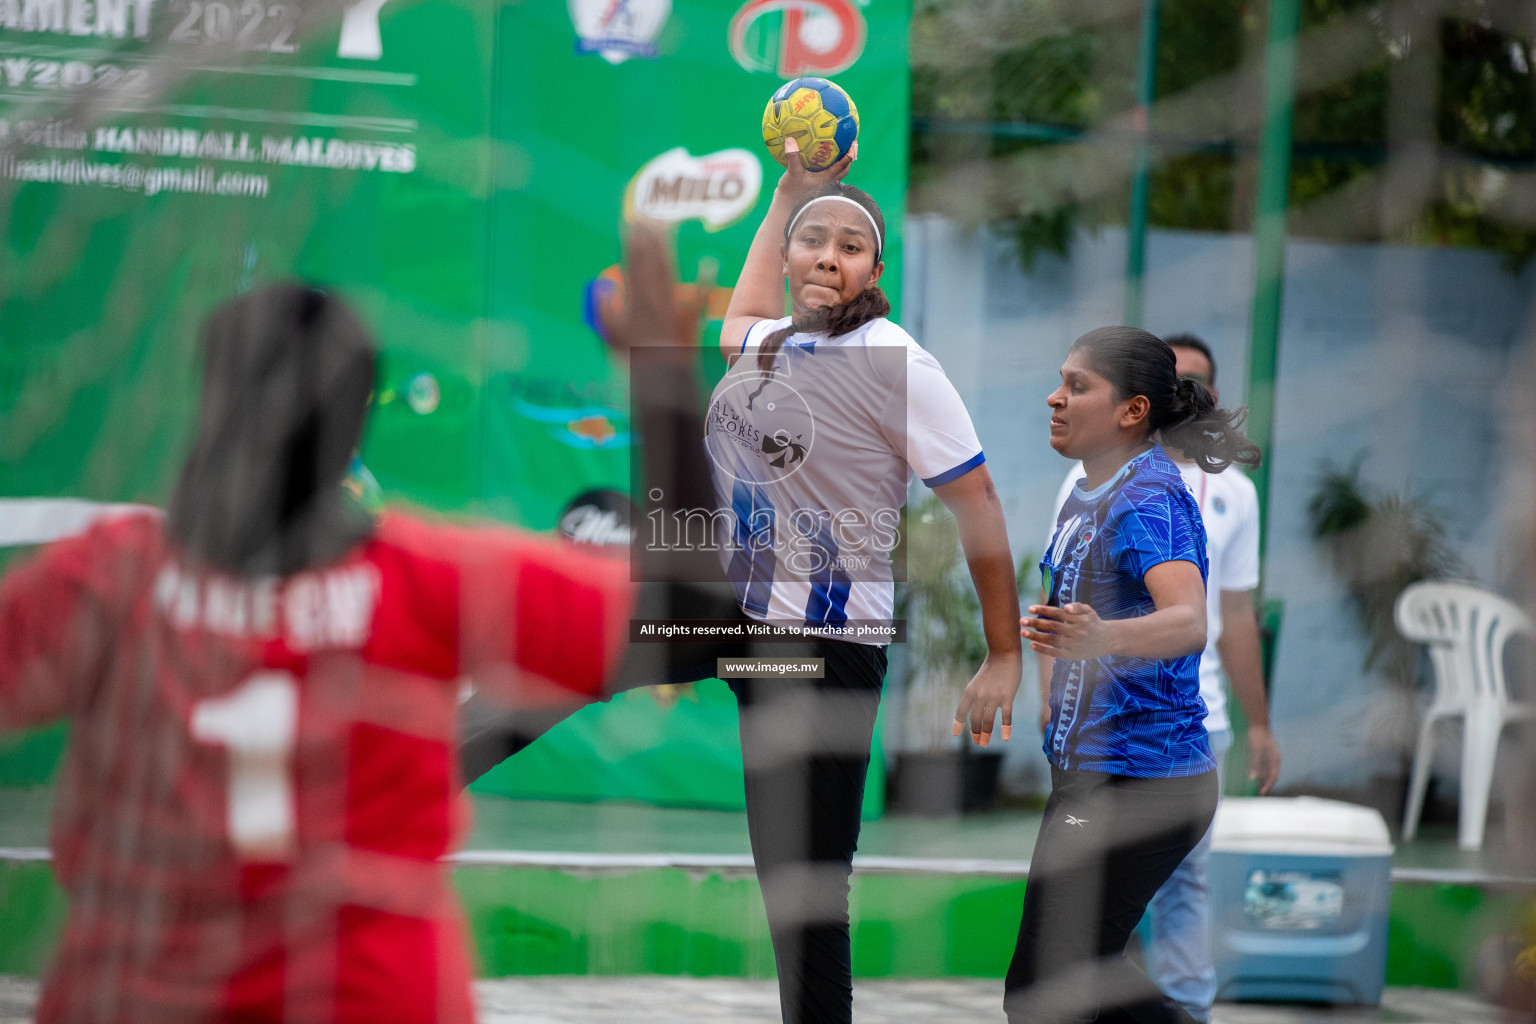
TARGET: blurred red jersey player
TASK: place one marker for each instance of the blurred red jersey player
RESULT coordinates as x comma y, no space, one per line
260,779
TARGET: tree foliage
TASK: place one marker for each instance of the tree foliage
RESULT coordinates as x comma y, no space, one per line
1021,107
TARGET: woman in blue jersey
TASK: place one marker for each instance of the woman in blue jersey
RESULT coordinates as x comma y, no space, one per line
813,437
1133,783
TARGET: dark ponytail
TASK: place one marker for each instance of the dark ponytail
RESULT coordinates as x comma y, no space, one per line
1183,412
870,304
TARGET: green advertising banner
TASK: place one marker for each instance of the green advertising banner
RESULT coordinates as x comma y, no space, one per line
163,155
599,109
461,173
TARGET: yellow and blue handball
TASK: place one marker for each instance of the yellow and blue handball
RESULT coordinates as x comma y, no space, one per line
818,114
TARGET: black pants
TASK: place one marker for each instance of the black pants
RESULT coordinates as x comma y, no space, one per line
1107,844
805,747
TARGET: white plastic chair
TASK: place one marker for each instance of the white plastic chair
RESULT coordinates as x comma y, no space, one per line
1465,629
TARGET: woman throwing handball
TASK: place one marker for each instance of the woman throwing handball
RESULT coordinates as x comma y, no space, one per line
813,437
259,784
1133,783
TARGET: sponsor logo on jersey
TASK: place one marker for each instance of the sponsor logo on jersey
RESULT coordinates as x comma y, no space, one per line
797,37
1064,537
617,30
1080,550
725,420
1219,504
718,188
759,417
781,451
603,518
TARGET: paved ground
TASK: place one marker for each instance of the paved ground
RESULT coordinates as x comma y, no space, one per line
653,1000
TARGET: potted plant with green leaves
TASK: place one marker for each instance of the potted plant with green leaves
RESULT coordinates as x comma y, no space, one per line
1378,544
937,772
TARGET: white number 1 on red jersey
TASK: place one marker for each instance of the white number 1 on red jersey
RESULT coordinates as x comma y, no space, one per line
257,724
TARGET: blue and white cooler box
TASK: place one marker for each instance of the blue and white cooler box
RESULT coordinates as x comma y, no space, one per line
1299,898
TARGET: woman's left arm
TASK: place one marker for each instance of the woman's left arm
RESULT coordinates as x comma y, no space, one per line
984,537
1177,628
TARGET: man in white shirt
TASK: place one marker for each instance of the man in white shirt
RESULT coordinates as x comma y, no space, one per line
1179,951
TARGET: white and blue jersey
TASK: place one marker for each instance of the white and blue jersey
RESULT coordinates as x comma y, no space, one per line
1126,716
811,465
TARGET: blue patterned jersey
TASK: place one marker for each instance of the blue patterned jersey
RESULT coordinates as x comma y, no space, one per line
1126,716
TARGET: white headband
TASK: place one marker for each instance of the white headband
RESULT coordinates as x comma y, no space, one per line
879,242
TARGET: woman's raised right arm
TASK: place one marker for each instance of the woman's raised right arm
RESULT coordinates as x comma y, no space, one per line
759,291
